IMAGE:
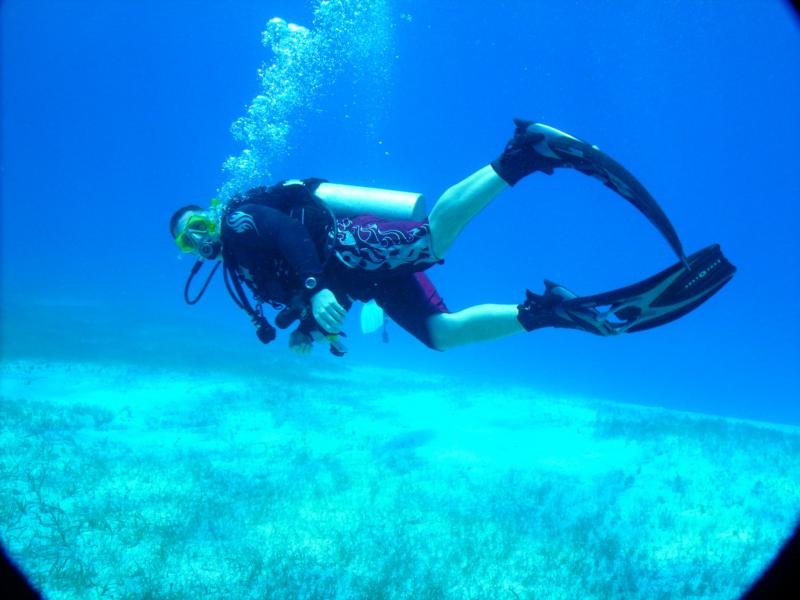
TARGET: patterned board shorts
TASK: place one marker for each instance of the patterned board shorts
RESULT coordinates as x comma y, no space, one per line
385,259
369,243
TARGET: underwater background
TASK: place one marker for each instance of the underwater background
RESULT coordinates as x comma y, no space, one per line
152,449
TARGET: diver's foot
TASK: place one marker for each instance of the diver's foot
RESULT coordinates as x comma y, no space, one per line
548,310
539,147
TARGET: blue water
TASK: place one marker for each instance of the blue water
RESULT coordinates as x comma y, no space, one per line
150,448
115,113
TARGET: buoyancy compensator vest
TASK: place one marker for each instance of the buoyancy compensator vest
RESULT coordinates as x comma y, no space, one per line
295,198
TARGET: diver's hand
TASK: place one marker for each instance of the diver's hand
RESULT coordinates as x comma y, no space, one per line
300,343
327,311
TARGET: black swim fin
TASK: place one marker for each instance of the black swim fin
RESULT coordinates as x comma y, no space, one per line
540,147
655,301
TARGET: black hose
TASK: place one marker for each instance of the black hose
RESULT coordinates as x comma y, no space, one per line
195,269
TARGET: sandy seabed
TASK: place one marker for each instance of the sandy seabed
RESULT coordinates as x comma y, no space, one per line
123,481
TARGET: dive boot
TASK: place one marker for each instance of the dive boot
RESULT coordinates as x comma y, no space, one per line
538,147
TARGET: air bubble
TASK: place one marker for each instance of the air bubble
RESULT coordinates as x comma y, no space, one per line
352,37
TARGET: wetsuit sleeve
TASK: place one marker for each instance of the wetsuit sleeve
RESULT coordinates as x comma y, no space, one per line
264,228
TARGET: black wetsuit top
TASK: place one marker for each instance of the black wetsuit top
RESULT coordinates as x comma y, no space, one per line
271,252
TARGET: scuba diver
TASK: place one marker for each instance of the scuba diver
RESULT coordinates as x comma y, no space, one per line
310,249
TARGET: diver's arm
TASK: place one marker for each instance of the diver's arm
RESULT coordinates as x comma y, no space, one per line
264,227
295,244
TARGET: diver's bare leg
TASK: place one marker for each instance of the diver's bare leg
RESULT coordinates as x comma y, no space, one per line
459,204
474,324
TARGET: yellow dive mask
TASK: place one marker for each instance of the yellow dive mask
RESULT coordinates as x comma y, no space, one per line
197,229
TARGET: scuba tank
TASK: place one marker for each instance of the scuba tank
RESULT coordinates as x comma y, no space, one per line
352,200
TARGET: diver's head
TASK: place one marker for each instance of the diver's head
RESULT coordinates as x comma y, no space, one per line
195,231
